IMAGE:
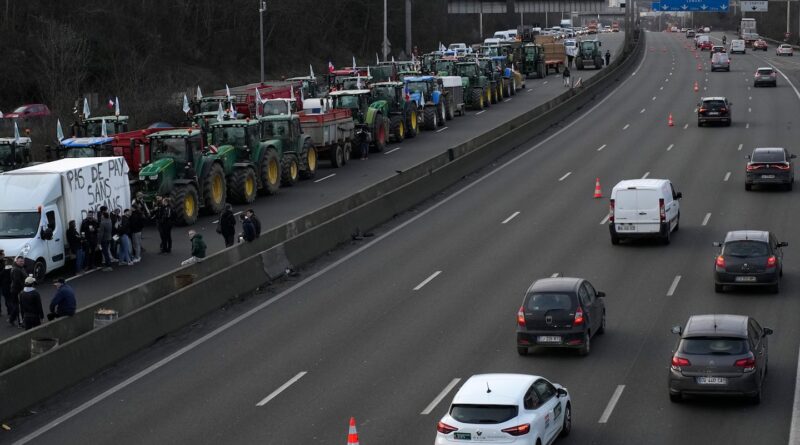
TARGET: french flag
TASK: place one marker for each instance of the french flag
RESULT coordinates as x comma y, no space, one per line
330,67
110,103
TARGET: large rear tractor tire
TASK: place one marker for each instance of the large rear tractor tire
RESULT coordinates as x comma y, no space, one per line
337,156
598,62
540,70
185,204
449,112
398,128
243,186
214,190
381,134
309,160
477,99
270,172
498,93
487,102
290,171
412,122
441,113
430,120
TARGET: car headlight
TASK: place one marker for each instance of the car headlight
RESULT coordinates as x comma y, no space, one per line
25,250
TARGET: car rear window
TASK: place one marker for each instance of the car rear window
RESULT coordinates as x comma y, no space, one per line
544,302
768,156
483,413
765,72
714,104
745,249
713,346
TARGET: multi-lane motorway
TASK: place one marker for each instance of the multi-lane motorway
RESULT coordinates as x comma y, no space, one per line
386,331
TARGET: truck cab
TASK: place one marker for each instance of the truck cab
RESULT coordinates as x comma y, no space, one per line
85,147
14,153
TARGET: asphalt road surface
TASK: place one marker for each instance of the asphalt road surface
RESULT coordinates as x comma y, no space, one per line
379,330
330,185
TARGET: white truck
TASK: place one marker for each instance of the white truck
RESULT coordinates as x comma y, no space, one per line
39,201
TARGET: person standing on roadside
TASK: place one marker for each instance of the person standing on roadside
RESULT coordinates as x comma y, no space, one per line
17,276
124,233
163,216
608,57
256,222
104,234
137,225
30,305
75,246
227,225
248,228
116,220
5,282
63,303
567,81
89,231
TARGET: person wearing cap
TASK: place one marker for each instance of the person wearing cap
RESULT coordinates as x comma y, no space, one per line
30,305
63,303
17,276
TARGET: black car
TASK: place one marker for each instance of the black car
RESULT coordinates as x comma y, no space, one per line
721,355
714,109
768,166
560,313
765,76
749,258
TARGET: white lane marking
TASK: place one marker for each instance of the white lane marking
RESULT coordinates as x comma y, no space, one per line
705,220
225,327
749,97
748,88
601,147
670,147
727,176
705,88
626,126
794,429
654,98
611,404
513,215
507,100
555,275
646,174
326,177
545,83
530,89
740,147
282,388
480,112
748,125
441,129
674,285
431,406
91,271
392,150
685,126
749,110
641,111
661,88
605,219
565,176
428,280
666,80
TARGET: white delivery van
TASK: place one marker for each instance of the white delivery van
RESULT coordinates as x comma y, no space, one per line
644,208
737,46
502,36
38,202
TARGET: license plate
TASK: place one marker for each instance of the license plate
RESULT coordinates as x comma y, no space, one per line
745,278
625,227
549,339
712,381
713,113
462,436
767,176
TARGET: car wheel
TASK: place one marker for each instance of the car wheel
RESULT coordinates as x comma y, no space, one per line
614,240
667,238
587,345
776,288
522,350
748,187
756,399
719,288
675,398
567,426
602,329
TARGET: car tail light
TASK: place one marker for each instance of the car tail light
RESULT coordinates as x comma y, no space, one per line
723,110
519,430
782,166
772,261
748,364
661,212
445,428
773,74
521,317
702,110
678,362
720,263
578,317
751,167
611,211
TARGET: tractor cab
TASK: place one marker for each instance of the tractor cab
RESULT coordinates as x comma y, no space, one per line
384,72
357,101
445,66
309,86
93,126
178,147
391,92
355,83
274,107
490,50
85,147
211,104
14,153
239,133
589,48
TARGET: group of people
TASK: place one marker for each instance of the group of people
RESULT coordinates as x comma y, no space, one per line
107,237
24,303
226,226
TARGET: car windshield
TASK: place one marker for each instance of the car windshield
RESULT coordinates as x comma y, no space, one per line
347,101
587,46
276,107
383,92
544,302
765,72
745,249
483,413
19,224
21,109
418,87
713,346
768,156
228,136
169,148
95,128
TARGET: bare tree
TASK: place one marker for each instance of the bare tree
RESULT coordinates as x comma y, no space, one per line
62,55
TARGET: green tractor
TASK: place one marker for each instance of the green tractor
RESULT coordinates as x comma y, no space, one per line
182,168
250,171
492,71
475,84
533,61
93,126
298,156
589,55
15,153
403,115
367,114
445,67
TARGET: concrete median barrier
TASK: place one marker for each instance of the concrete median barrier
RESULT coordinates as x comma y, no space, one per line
158,307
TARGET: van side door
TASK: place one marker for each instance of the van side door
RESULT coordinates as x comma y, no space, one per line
55,245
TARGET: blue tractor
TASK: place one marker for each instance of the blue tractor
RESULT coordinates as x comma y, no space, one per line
429,95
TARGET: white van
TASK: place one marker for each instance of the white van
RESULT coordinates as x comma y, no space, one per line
644,208
737,46
503,36
491,41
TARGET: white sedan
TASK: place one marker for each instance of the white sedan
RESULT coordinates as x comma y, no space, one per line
784,50
508,408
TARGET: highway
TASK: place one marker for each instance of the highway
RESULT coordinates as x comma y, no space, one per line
330,185
388,329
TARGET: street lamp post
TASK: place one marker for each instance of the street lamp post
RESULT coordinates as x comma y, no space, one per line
262,8
385,38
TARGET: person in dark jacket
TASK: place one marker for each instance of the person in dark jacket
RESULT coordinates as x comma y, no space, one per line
248,229
608,57
30,305
75,246
198,245
164,220
17,276
124,233
89,231
116,220
256,222
137,225
63,303
105,233
227,225
5,282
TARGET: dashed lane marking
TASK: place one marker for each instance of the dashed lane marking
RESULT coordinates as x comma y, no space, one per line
564,177
645,175
611,404
428,280
727,176
674,285
670,147
480,112
326,177
601,147
283,387
740,147
605,219
392,150
441,129
431,406
705,220
513,215
626,126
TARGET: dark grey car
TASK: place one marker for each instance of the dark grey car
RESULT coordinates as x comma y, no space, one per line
719,354
749,258
560,313
769,166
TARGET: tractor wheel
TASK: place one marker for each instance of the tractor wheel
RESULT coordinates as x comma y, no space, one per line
381,134
540,70
598,62
347,151
243,186
429,118
513,86
214,190
270,172
579,63
337,156
398,128
442,113
508,87
487,102
291,171
498,92
308,160
448,110
477,99
185,204
412,127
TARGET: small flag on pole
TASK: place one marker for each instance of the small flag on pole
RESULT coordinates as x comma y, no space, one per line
16,133
354,62
220,114
377,59
311,69
86,112
199,94
186,107
59,131
259,103
227,91
103,131
110,103
330,67
116,106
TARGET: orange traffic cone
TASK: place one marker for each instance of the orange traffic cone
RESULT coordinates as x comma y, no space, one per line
352,435
696,87
699,67
597,192
670,122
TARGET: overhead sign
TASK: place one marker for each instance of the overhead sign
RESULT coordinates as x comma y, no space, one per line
656,6
754,6
694,5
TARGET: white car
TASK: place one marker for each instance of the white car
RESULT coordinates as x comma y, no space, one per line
784,50
644,208
506,408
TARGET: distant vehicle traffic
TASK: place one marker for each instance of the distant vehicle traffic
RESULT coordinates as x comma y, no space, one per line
767,166
644,208
784,50
29,111
760,44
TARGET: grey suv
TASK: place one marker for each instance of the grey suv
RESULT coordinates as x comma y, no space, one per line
719,354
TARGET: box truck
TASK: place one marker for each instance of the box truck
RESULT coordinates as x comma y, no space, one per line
39,201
